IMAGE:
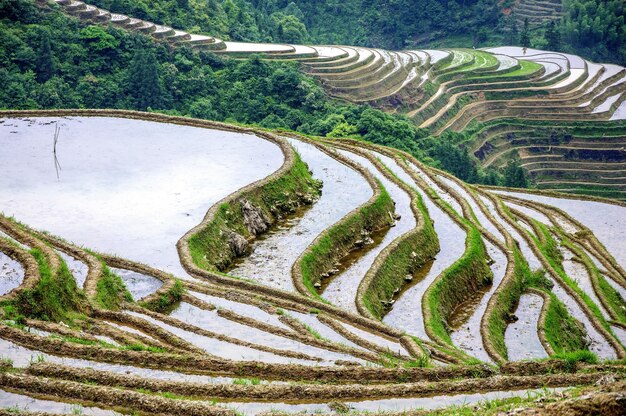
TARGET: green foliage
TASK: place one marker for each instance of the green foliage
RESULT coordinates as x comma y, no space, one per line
524,39
380,23
403,260
98,38
552,36
515,176
55,297
144,83
342,129
564,333
573,358
111,291
596,29
44,65
289,29
210,248
167,300
457,283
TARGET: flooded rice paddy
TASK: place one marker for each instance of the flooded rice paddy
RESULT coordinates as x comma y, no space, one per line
521,337
273,255
125,186
342,289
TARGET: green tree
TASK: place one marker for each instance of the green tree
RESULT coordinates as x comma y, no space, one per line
553,37
289,28
98,38
481,36
513,32
515,176
524,38
144,84
44,65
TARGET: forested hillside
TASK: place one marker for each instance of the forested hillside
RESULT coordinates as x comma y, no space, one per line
591,28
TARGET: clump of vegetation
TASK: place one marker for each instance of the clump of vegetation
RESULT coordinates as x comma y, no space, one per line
564,333
167,300
111,291
212,247
339,239
573,358
456,283
404,260
55,297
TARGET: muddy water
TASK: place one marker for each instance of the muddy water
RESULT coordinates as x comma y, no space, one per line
578,273
442,194
566,225
376,238
138,284
594,259
383,342
599,345
128,329
127,187
619,288
526,226
606,221
107,340
223,349
326,332
620,333
11,274
344,190
406,313
387,405
467,337
482,218
22,357
18,403
211,321
528,254
240,308
521,337
341,291
534,214
78,268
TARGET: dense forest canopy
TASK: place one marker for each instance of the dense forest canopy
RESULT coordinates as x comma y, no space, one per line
594,29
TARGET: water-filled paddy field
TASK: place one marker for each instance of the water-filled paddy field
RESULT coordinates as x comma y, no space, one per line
114,227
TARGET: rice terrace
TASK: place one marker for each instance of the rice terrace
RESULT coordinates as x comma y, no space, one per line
220,208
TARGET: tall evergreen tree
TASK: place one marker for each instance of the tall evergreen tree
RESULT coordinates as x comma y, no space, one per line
515,176
44,65
553,36
525,36
514,32
144,81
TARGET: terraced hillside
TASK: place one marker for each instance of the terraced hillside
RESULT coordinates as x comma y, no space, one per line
537,11
156,264
236,270
561,115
